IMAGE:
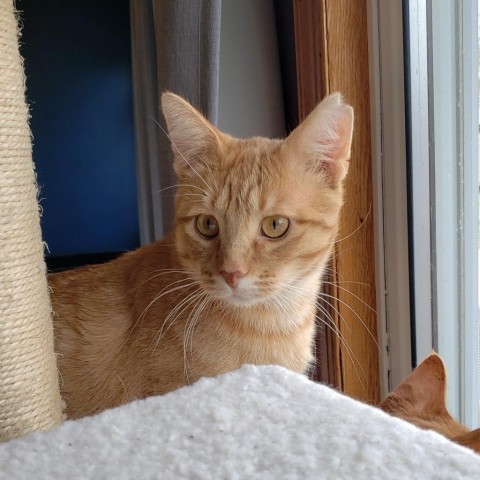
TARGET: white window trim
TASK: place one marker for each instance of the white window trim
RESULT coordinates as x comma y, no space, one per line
470,367
444,150
436,252
421,182
454,153
390,190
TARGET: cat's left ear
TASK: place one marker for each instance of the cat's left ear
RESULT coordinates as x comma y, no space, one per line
324,140
424,389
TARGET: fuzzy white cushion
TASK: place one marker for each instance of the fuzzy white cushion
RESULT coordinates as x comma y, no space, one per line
258,422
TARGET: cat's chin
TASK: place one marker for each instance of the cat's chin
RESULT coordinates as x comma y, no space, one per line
241,302
239,299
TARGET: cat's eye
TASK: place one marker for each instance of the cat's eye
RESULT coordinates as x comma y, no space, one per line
275,226
207,226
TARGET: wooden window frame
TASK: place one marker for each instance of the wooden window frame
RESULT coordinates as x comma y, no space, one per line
331,39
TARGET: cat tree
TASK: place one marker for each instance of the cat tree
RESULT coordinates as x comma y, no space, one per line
29,391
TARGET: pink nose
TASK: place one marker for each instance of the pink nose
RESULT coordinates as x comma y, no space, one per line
232,278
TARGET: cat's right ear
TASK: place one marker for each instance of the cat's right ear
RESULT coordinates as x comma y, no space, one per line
191,134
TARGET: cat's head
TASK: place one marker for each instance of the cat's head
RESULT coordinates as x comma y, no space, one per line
256,218
420,399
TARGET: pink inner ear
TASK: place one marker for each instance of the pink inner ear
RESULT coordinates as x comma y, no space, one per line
335,155
323,140
331,158
330,140
342,146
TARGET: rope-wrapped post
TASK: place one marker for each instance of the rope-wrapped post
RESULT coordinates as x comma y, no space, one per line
29,391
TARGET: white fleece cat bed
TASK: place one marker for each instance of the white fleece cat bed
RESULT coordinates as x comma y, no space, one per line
258,422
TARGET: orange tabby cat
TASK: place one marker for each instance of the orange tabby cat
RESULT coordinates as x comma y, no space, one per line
235,282
420,399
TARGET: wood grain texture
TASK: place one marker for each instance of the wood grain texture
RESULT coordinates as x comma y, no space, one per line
340,28
312,68
309,18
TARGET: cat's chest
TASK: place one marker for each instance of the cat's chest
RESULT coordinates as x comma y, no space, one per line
218,348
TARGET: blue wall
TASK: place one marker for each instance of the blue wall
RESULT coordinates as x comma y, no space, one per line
77,59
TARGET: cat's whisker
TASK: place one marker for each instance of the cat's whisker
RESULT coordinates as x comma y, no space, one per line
312,367
335,329
326,312
189,325
341,282
184,195
180,280
340,336
186,185
292,303
208,167
143,314
337,311
329,270
340,250
175,313
167,271
294,288
289,312
279,304
357,229
295,293
323,294
335,277
353,295
338,333
209,302
344,344
166,291
123,385
162,293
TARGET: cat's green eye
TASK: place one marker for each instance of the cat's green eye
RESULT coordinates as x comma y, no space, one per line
275,226
207,226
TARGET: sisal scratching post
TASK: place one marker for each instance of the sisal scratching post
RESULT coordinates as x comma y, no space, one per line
29,393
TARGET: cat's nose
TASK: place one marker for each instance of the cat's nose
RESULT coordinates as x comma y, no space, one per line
232,278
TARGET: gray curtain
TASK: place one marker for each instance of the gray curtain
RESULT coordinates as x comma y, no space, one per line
175,47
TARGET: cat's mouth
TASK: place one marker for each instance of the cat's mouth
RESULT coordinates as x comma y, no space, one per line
245,294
